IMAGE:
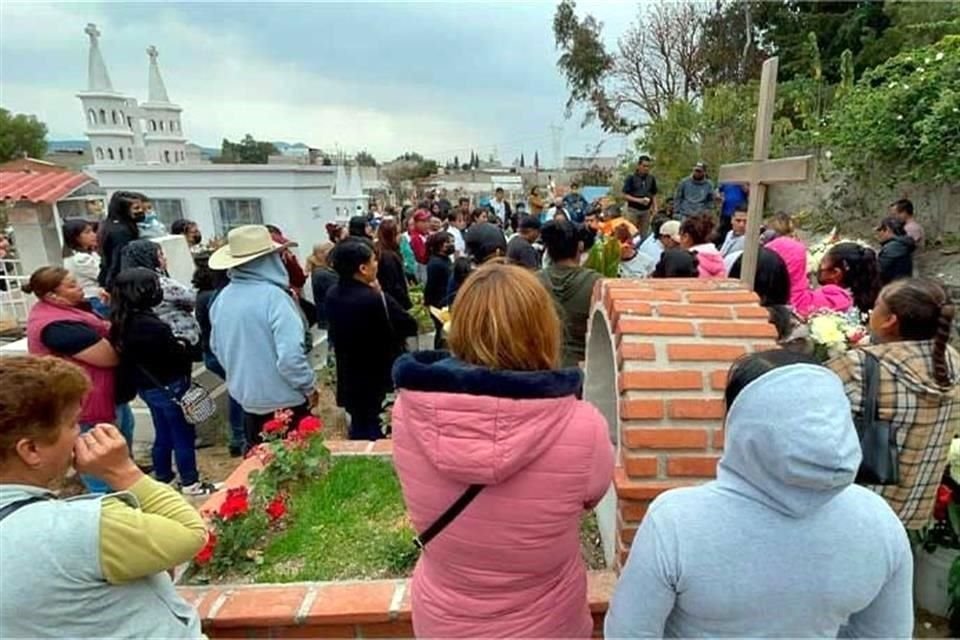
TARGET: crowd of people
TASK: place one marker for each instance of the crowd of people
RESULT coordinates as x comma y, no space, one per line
490,428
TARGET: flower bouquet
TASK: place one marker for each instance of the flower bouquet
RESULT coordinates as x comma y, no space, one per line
443,315
832,333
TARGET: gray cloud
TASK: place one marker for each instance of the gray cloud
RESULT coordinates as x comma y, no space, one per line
442,78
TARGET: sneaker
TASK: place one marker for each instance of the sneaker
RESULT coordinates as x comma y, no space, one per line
200,488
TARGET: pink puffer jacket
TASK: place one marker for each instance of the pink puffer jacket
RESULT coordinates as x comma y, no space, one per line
805,300
510,564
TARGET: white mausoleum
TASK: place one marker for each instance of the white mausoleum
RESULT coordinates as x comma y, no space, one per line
142,147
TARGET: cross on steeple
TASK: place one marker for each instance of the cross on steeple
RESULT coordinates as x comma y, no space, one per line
93,32
153,53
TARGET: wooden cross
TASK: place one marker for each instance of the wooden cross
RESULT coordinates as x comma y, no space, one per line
762,171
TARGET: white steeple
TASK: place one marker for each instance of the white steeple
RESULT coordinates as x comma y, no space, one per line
356,183
162,134
97,77
341,187
157,90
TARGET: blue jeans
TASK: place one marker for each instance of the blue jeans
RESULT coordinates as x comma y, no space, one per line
125,422
234,410
174,437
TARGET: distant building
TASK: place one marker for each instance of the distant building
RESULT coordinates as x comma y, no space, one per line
583,163
142,147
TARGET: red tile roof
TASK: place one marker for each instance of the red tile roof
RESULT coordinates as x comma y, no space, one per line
40,187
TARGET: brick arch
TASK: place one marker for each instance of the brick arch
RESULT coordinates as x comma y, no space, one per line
658,352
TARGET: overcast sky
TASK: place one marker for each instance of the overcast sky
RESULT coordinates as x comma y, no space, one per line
439,78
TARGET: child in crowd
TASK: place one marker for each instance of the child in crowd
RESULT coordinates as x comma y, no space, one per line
82,260
178,301
695,232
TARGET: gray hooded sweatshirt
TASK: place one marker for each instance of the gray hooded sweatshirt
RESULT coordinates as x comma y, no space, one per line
782,543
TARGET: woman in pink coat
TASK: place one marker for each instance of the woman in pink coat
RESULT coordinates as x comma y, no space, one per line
848,275
499,413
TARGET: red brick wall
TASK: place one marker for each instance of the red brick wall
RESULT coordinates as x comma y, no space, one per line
675,340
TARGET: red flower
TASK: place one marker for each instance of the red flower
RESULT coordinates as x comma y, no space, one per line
206,553
944,498
236,503
277,508
279,424
309,424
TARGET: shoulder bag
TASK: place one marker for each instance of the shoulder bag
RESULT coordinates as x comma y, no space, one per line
196,403
447,516
878,439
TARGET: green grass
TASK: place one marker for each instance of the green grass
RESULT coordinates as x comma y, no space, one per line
350,524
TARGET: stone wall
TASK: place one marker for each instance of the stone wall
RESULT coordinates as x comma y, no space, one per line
658,352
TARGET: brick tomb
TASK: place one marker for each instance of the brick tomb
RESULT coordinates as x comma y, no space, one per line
658,352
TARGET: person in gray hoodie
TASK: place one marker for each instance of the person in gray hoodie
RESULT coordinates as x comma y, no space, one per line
257,332
570,285
782,543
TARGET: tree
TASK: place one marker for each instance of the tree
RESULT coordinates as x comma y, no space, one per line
21,134
247,151
409,156
521,160
594,176
728,44
659,60
365,159
456,161
536,159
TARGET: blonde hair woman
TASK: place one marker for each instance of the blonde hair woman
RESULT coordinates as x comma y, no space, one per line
497,425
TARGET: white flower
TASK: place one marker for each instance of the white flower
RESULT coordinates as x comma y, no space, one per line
899,117
953,457
939,56
829,154
906,86
892,85
926,61
920,69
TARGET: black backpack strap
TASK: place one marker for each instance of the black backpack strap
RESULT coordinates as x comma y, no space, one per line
19,504
448,516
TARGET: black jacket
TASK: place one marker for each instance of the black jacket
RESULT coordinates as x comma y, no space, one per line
368,331
321,281
115,235
896,258
148,344
439,270
392,278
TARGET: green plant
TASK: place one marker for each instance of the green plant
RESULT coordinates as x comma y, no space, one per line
604,257
902,117
238,529
419,310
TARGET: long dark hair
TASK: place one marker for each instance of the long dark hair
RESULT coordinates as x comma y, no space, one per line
119,210
436,242
924,312
388,236
772,281
72,229
141,253
860,272
134,290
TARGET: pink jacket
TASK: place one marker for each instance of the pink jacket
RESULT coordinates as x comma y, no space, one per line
805,300
510,564
709,261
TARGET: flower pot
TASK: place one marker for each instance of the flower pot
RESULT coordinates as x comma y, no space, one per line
930,574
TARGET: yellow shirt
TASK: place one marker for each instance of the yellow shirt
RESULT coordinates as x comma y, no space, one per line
164,532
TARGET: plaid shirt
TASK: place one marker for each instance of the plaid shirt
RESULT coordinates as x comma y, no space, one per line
928,417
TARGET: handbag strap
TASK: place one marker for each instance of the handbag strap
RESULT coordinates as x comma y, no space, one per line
19,504
871,388
448,516
153,380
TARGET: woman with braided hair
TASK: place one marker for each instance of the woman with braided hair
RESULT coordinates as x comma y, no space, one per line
919,388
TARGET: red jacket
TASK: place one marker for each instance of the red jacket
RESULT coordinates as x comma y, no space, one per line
418,243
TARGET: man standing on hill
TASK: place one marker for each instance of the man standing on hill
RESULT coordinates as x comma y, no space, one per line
694,193
640,192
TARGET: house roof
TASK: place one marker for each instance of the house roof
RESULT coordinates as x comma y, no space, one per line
40,187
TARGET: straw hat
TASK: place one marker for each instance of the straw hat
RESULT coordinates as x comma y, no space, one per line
244,244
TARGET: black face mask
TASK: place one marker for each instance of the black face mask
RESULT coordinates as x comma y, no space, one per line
198,238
